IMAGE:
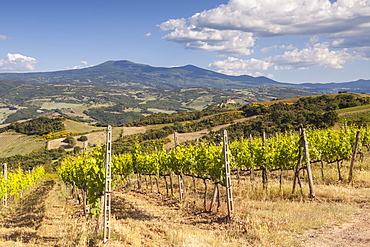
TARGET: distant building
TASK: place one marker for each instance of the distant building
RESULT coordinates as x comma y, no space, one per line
230,101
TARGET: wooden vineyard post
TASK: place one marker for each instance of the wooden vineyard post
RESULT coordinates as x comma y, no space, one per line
251,169
175,139
229,192
264,168
85,148
296,178
108,186
354,153
181,187
308,166
216,197
5,174
180,176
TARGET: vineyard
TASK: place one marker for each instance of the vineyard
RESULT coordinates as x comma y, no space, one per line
189,183
14,143
264,187
8,138
13,183
204,161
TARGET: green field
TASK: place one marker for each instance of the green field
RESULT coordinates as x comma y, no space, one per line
4,113
353,109
155,110
77,127
13,143
55,105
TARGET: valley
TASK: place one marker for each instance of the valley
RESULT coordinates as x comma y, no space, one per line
146,213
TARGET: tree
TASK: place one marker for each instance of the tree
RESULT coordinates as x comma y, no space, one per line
82,138
77,150
70,141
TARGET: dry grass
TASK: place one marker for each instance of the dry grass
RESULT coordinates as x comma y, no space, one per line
14,143
144,222
276,218
78,127
43,217
97,137
272,217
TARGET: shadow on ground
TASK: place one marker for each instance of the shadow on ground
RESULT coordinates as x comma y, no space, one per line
28,214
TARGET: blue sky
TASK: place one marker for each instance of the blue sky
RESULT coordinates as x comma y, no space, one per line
286,40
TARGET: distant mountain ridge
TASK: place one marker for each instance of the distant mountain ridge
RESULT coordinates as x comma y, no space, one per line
359,86
127,74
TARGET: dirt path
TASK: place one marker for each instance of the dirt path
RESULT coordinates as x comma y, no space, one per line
356,232
97,138
147,220
41,218
355,111
44,217
183,137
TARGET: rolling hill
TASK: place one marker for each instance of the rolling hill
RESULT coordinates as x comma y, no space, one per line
126,74
135,90
130,75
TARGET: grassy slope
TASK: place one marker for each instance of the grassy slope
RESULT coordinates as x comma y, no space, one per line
144,217
262,218
352,110
13,143
95,135
358,114
11,147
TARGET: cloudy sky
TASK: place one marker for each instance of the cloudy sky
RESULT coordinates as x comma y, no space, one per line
286,40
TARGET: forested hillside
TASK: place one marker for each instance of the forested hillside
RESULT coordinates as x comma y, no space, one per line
107,105
144,171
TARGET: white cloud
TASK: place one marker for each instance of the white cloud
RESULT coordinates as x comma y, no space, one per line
148,34
3,37
276,47
268,49
83,64
229,41
172,24
314,39
287,47
346,21
236,66
363,52
17,62
318,55
265,18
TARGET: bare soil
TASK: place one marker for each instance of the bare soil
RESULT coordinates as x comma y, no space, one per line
46,216
183,137
156,220
355,232
355,111
40,218
96,138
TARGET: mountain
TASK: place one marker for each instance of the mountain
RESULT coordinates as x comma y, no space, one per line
359,86
130,75
126,74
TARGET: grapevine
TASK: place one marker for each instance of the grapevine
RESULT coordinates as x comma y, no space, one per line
19,180
205,160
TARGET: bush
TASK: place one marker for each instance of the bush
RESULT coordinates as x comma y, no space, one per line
70,141
82,138
77,150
